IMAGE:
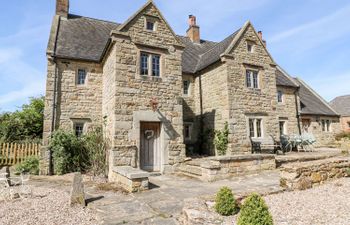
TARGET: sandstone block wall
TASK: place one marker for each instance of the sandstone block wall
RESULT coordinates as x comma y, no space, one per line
246,102
345,123
287,110
323,138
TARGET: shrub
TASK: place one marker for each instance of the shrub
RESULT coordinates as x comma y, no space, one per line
254,211
225,203
29,165
343,135
68,153
221,140
96,148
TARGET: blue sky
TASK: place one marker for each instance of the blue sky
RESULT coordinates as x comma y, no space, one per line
308,38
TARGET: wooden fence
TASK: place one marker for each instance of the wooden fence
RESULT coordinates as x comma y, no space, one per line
13,153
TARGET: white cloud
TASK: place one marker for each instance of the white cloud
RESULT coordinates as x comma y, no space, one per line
314,33
331,86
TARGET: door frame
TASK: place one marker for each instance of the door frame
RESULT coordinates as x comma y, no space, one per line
159,146
151,116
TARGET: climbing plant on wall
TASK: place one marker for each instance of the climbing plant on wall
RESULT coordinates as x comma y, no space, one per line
221,140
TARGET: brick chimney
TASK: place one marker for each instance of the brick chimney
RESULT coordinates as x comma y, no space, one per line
261,37
62,8
193,30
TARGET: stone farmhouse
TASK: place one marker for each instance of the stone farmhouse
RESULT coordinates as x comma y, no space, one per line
160,95
342,105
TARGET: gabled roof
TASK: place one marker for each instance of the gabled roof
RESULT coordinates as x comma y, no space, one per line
83,38
198,56
342,105
313,104
284,79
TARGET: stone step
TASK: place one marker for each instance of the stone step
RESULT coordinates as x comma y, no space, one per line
189,169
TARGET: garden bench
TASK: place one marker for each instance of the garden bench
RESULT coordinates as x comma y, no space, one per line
132,179
267,143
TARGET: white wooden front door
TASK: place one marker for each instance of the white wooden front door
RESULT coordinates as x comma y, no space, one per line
150,154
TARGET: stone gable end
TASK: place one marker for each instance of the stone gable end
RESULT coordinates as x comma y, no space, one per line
163,36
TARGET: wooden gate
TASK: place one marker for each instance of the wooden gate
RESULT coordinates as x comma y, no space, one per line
150,153
13,153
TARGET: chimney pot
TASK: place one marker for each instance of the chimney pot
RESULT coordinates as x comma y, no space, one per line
62,8
193,30
191,20
260,35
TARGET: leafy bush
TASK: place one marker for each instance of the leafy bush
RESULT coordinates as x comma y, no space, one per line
68,153
79,154
221,140
24,124
96,147
343,135
254,211
225,203
29,165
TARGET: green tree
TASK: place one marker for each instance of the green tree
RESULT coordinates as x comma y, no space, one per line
23,124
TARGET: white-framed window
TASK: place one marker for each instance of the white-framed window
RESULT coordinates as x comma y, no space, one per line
252,79
186,87
326,125
78,128
255,127
188,131
283,127
280,96
149,64
81,76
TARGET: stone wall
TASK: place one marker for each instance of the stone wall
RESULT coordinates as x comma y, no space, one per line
300,176
287,109
133,92
74,102
345,123
215,109
246,102
323,138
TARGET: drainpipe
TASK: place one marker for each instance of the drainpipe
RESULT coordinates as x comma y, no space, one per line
297,109
54,110
201,126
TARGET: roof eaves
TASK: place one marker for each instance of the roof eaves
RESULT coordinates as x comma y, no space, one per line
287,75
317,95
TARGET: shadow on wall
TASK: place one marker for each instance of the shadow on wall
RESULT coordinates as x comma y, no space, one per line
168,127
203,131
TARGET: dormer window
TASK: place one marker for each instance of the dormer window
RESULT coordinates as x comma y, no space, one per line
150,26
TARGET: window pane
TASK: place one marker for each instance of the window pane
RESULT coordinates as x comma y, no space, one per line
248,78
144,64
81,76
150,26
255,80
79,127
282,123
251,128
279,96
258,127
323,125
250,48
186,87
155,65
328,125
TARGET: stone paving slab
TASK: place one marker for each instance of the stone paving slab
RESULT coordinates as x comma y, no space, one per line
163,204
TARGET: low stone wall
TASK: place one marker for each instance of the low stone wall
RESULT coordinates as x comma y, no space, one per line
301,176
223,167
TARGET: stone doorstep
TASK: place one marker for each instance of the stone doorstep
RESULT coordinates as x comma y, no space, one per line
243,157
130,172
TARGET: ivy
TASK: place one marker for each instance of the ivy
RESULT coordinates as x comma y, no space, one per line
221,140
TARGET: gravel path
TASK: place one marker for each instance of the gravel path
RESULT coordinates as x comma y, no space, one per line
47,206
326,204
